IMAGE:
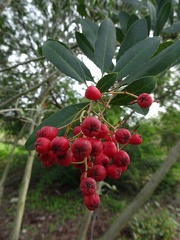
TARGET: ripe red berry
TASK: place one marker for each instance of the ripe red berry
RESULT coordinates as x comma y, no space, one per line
144,100
113,171
60,145
47,159
110,138
65,159
122,136
92,202
88,186
81,148
91,126
92,93
109,149
102,159
47,132
97,146
76,130
103,132
135,139
42,145
121,158
99,173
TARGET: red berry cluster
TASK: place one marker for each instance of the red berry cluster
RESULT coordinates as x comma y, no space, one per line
94,150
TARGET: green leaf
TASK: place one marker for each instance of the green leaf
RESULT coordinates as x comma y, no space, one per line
174,28
162,17
132,19
61,57
90,30
136,56
152,13
106,82
164,60
163,46
87,72
136,108
105,45
85,46
142,85
58,119
123,18
135,34
119,35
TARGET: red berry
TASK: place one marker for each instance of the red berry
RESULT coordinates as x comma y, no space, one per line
88,186
47,159
92,202
113,171
109,149
144,100
91,126
92,93
42,145
81,148
99,173
76,130
102,159
121,158
123,169
135,139
122,136
97,146
47,132
103,132
60,145
110,138
65,159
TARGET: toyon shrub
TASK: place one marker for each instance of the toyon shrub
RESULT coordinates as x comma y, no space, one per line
95,148
81,135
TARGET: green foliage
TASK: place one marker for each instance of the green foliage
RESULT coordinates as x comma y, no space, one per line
146,84
105,45
150,224
58,119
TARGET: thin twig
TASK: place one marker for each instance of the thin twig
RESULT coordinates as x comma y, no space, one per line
22,63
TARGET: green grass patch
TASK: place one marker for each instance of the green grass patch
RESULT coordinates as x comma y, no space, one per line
68,205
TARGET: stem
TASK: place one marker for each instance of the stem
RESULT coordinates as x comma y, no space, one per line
127,93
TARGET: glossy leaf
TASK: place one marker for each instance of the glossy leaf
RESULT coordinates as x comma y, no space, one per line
62,58
123,18
136,33
164,60
85,46
142,85
105,45
162,17
152,13
132,2
174,28
136,108
132,19
90,30
58,119
106,82
136,56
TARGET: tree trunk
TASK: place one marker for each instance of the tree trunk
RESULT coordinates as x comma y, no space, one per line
143,195
23,191
6,169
